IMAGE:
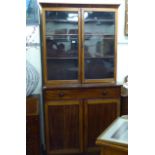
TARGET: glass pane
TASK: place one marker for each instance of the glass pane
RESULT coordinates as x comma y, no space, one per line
65,69
99,45
60,22
96,68
99,23
62,45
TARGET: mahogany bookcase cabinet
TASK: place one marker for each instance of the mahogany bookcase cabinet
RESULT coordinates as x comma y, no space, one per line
80,93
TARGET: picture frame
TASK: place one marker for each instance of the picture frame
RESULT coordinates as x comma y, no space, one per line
32,12
126,17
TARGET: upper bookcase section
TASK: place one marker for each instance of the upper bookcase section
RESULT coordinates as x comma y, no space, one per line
79,43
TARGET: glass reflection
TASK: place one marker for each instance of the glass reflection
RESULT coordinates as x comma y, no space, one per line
99,68
99,30
99,46
60,22
72,17
62,69
64,46
99,22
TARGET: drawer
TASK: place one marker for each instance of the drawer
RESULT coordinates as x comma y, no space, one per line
58,94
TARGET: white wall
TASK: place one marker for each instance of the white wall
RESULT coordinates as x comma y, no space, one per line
122,50
34,55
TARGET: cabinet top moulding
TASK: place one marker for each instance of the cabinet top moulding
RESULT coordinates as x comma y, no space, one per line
53,5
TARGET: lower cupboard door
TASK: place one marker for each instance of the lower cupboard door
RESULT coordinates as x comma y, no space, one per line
63,121
98,115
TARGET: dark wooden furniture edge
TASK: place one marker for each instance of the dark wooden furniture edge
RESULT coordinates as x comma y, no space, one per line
32,105
100,5
33,141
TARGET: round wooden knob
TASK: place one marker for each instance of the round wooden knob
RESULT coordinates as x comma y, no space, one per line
104,93
61,94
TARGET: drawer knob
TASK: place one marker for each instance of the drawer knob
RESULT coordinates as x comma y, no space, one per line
104,93
61,94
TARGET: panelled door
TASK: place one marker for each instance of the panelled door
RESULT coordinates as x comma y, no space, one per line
64,128
98,115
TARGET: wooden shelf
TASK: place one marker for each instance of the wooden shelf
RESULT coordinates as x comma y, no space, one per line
61,34
105,57
87,20
99,20
101,34
62,58
70,58
76,36
61,21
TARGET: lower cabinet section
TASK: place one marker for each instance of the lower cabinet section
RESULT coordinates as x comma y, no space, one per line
73,125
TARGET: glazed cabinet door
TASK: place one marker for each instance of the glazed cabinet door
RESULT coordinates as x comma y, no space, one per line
98,115
61,28
63,121
99,44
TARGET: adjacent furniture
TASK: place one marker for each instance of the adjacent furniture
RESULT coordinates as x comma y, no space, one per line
124,97
32,125
124,105
114,140
80,93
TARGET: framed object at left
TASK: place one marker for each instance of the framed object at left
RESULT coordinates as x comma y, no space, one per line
126,17
32,12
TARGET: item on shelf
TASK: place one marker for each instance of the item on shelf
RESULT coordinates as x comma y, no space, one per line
108,42
124,89
32,78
